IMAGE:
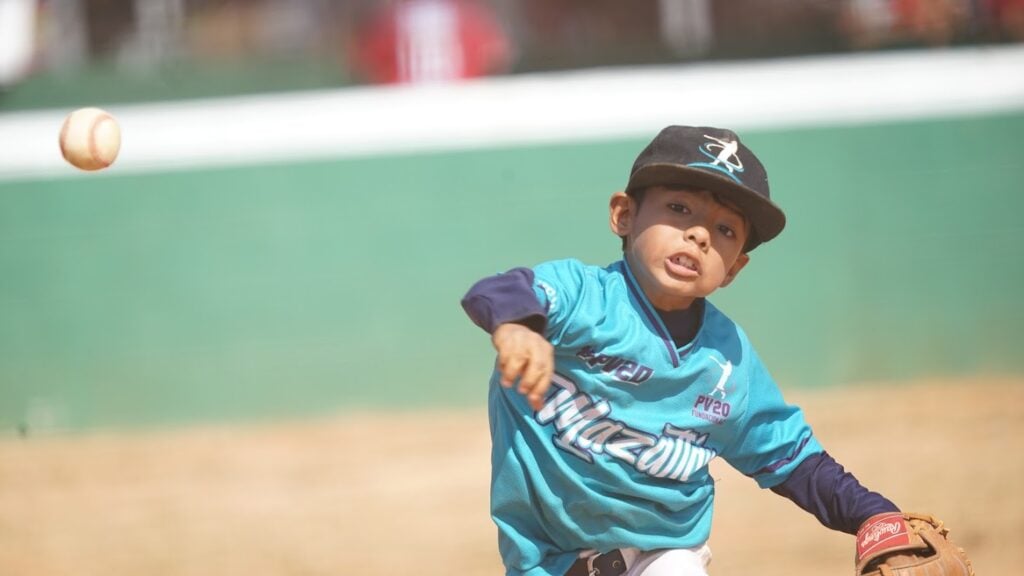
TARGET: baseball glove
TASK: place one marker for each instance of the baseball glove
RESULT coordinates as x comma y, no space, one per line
895,544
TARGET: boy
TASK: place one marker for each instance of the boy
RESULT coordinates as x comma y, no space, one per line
615,387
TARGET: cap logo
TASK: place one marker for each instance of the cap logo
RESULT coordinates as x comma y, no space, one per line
723,154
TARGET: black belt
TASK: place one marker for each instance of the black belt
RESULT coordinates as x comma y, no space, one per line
607,564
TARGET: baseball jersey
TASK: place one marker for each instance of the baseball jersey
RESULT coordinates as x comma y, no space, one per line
618,454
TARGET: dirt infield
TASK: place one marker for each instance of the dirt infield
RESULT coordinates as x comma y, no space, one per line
407,493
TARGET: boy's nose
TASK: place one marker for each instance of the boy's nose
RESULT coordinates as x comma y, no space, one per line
698,235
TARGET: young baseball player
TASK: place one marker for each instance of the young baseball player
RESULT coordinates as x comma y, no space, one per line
615,386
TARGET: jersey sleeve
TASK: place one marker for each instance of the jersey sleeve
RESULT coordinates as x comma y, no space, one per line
542,298
773,438
559,286
821,486
503,298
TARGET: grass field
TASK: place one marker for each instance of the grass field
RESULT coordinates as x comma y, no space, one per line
406,492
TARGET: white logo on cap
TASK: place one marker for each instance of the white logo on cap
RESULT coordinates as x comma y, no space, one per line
723,152
727,152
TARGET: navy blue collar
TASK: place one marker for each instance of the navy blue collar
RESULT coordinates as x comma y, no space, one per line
666,323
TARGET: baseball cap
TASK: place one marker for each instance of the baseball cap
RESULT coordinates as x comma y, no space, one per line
715,160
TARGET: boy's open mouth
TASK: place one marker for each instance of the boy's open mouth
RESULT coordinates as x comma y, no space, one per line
683,265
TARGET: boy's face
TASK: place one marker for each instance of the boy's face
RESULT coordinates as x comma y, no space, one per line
680,244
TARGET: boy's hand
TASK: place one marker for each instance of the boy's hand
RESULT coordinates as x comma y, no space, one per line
524,355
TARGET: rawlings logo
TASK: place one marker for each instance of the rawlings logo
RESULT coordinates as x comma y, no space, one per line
875,532
884,533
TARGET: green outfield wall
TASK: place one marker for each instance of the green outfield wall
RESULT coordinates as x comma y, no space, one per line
310,287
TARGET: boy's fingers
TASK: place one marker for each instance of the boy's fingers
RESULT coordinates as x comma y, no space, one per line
535,373
511,367
536,395
537,379
543,368
532,365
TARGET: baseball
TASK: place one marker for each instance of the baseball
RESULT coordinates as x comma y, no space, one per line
90,139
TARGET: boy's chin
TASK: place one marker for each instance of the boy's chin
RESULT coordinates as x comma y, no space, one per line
687,287
674,297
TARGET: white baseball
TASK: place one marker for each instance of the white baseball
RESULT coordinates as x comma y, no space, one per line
90,139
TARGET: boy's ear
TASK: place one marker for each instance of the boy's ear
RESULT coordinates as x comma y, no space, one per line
621,213
734,270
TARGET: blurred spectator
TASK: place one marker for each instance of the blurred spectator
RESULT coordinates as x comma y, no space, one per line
108,24
686,26
566,34
238,29
868,23
1006,19
17,39
392,41
932,22
754,28
414,41
873,24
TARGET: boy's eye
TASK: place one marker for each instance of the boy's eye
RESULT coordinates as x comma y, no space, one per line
729,232
681,208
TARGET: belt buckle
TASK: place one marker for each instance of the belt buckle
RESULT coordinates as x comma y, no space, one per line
612,561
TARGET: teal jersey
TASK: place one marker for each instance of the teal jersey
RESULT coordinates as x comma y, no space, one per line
618,454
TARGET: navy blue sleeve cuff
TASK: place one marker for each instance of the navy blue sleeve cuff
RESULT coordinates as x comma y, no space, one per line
505,298
822,487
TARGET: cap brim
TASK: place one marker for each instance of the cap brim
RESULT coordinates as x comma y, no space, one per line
766,218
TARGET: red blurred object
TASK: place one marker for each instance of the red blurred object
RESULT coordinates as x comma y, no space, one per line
1007,18
414,41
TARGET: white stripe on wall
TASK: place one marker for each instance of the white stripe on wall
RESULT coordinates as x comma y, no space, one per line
536,108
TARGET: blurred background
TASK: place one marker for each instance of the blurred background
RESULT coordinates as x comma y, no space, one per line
306,188
240,349
58,52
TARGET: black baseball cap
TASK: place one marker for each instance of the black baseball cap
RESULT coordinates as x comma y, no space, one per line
715,160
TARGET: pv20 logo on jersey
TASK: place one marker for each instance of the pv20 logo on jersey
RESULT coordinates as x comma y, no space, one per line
619,368
708,407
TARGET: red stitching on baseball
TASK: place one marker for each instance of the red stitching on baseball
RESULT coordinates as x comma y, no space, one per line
94,151
63,135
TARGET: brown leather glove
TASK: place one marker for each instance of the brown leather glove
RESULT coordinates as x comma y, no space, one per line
896,544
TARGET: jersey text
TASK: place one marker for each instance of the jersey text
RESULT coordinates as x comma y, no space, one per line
584,429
